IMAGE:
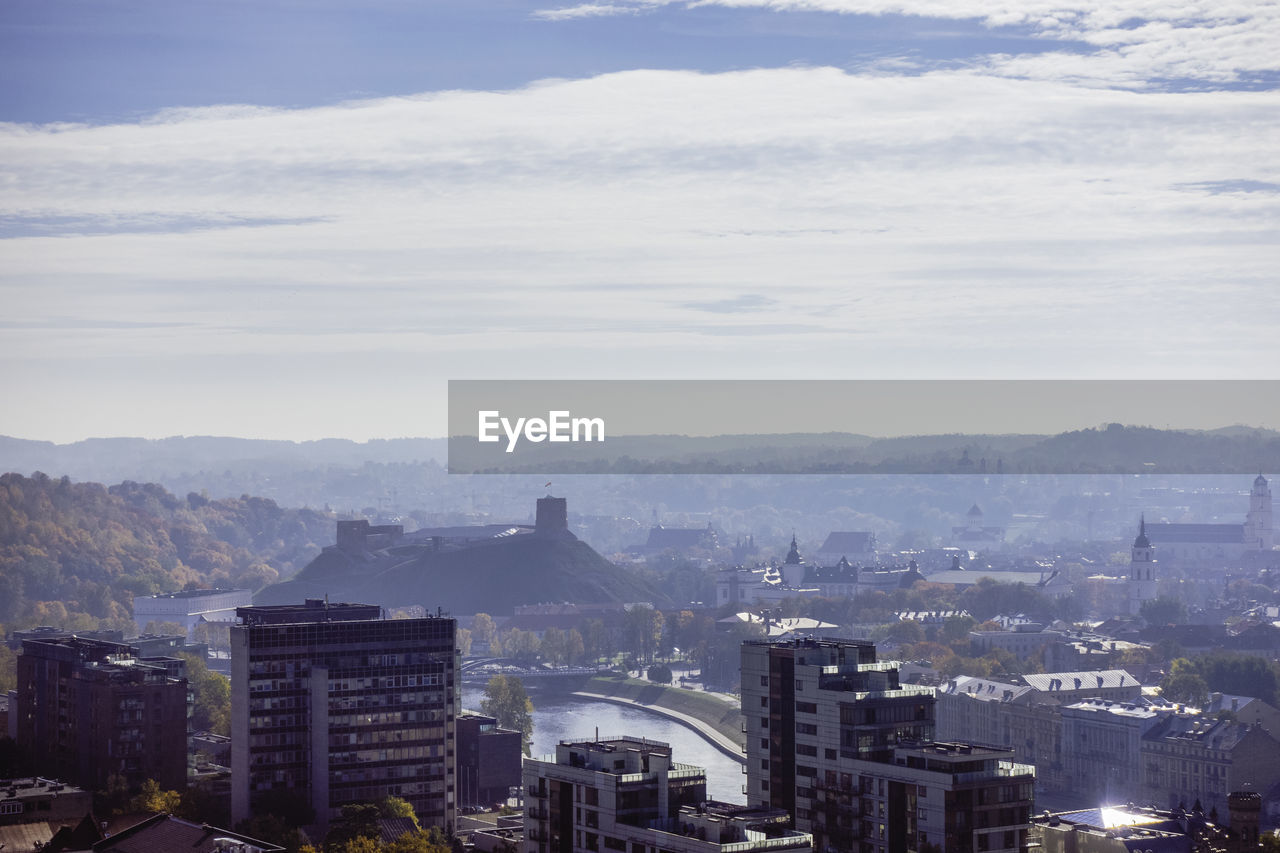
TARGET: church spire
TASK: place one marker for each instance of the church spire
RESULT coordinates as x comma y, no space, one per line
793,556
1142,541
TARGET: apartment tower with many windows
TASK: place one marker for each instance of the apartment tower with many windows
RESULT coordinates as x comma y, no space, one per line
331,704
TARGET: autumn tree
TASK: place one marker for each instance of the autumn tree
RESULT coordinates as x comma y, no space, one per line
463,639
484,631
212,692
553,645
151,798
506,701
1184,683
1163,611
573,647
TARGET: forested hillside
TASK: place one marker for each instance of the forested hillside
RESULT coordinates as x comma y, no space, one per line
75,554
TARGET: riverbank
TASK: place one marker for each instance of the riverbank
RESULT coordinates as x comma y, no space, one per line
717,721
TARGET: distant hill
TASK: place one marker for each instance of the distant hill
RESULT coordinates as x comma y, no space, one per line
75,554
111,460
493,577
1112,449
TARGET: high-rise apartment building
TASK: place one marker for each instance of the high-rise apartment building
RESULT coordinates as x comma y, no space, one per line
89,710
834,738
333,705
627,795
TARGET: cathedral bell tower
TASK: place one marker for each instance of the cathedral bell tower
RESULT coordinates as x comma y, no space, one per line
1142,570
1258,532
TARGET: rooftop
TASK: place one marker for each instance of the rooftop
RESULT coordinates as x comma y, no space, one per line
312,610
190,593
1104,679
32,787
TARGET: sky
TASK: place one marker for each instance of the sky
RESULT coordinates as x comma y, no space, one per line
296,220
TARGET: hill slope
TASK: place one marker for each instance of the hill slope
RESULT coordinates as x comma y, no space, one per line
493,578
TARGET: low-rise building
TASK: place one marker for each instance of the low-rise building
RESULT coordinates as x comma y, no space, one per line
489,758
1188,758
1126,829
39,800
1023,640
188,607
1102,747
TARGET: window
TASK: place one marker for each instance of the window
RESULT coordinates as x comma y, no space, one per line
806,749
831,754
764,681
764,743
806,708
802,770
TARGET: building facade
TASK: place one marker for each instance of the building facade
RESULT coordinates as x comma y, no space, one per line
1193,758
1210,544
189,607
90,710
333,705
488,758
627,795
834,738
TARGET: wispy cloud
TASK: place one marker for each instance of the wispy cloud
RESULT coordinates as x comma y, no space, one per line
963,224
747,302
1130,43
586,10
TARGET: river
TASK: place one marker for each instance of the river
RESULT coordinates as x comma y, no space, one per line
560,717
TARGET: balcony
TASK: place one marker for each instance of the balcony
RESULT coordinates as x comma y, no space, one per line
787,842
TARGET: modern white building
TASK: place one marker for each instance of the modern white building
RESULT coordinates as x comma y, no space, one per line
189,607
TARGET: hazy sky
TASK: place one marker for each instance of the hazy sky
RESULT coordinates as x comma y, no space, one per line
298,218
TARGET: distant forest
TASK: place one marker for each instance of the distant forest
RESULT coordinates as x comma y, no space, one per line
75,554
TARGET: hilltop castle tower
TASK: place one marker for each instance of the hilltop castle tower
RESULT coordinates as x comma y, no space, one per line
1142,570
1257,524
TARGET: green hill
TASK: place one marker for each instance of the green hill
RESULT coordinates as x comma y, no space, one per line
492,577
75,554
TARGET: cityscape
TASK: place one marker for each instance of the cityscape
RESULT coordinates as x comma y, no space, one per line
964,688
639,426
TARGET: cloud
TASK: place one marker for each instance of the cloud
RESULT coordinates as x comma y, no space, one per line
628,225
1127,43
585,10
746,302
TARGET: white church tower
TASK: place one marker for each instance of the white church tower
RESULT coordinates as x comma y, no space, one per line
1257,525
1142,570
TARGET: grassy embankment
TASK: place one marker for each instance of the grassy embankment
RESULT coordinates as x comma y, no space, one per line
720,715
